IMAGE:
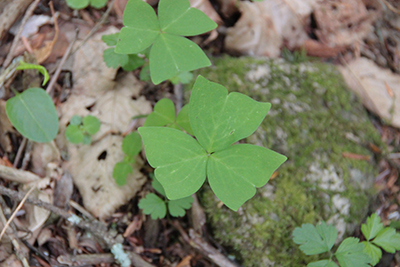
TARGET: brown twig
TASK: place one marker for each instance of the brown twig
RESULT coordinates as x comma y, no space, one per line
19,153
27,15
391,7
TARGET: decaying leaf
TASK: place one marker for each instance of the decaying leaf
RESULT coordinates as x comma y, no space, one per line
5,128
370,81
114,103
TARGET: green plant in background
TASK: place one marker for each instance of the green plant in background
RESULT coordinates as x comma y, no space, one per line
80,4
218,120
131,146
81,129
157,207
170,52
320,239
32,112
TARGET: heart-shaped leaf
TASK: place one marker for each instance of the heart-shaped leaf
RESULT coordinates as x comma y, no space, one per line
121,171
74,134
163,114
33,114
183,119
132,144
91,124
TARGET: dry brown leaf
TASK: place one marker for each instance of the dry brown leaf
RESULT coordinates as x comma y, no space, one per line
185,262
5,128
42,155
368,80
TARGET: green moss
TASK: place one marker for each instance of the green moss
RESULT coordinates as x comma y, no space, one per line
313,120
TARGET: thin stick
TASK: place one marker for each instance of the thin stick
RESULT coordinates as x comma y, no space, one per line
27,15
19,153
16,210
96,27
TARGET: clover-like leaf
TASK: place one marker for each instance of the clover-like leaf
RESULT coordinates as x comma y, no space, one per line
154,206
74,134
372,227
34,115
110,39
373,251
315,240
351,253
98,3
91,124
388,239
183,119
75,120
177,207
77,4
87,139
114,60
183,77
323,263
132,144
218,119
235,172
134,62
163,114
121,171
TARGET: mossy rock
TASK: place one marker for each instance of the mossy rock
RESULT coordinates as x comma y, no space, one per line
314,119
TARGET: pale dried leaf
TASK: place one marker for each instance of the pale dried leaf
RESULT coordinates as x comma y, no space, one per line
43,154
5,128
369,81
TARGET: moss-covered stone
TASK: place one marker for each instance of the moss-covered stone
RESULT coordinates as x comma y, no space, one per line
313,120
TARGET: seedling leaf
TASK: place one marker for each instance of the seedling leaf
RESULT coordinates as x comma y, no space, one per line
110,39
177,207
98,3
74,134
134,62
77,4
158,187
75,120
179,160
154,206
388,239
235,172
172,54
372,227
91,124
33,114
163,114
87,139
315,240
132,144
351,254
145,73
26,66
183,119
323,263
373,251
141,28
114,60
121,171
218,119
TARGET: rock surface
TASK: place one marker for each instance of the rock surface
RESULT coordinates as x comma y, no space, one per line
313,120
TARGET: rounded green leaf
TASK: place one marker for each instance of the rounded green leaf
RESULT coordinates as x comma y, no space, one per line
110,39
177,207
172,54
74,134
141,28
114,60
177,17
98,3
134,62
183,119
145,73
77,4
34,115
163,114
75,120
132,144
158,187
154,206
87,139
91,124
120,172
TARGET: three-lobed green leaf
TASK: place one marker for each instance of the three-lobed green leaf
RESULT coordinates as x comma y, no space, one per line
154,206
80,4
170,54
373,251
183,163
315,240
388,239
34,115
372,227
351,254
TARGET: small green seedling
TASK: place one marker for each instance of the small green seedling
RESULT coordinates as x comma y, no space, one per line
131,146
80,4
157,207
218,120
183,77
170,52
81,129
164,115
320,239
114,60
26,66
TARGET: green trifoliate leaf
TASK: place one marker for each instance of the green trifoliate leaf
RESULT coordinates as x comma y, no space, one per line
315,240
235,172
121,171
74,134
158,187
141,28
98,3
388,239
179,160
372,227
183,119
154,206
177,17
163,114
114,60
91,124
33,114
173,54
134,62
87,139
323,263
351,254
77,4
132,144
145,73
75,120
218,119
110,39
26,66
373,251
177,207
